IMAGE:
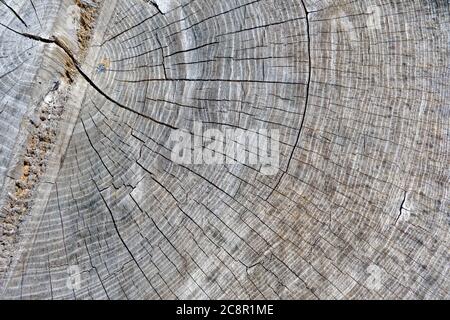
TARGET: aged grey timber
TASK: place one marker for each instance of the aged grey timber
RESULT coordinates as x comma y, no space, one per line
93,207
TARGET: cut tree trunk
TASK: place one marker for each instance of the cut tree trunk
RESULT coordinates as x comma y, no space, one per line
93,205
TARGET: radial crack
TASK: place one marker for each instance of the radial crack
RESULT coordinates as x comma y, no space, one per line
56,41
308,32
15,13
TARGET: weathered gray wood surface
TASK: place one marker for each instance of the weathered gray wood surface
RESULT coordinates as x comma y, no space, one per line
93,207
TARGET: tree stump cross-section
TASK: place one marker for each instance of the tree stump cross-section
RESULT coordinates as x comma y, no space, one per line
94,206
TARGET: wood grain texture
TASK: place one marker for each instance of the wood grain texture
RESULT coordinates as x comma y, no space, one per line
91,90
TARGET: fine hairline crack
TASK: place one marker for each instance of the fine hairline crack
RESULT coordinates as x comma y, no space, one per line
305,110
59,43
